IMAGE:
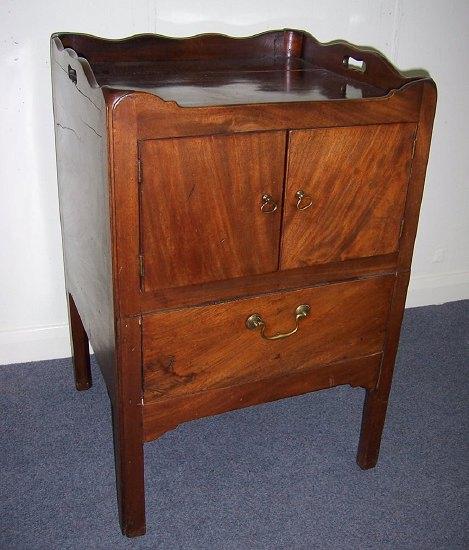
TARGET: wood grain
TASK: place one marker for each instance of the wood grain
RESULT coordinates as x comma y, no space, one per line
201,217
376,400
357,180
84,199
154,47
166,414
127,428
333,55
88,232
199,83
123,149
159,119
141,116
190,350
212,49
219,153
254,285
80,347
417,178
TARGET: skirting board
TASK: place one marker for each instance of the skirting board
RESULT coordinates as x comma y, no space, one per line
34,344
52,342
426,290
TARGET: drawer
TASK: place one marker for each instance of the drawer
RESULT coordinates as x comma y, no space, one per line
195,349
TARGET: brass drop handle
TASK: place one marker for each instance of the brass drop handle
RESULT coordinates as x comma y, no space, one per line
268,205
303,201
255,321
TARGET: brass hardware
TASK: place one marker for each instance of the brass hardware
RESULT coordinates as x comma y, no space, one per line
255,321
268,205
301,197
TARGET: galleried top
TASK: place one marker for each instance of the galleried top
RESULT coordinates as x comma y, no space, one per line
214,69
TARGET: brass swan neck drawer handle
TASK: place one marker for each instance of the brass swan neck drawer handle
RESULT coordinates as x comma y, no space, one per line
255,321
268,205
303,201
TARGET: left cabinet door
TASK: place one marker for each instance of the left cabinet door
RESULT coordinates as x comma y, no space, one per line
210,207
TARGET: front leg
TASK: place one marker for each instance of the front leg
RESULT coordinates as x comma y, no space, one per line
127,416
376,400
374,415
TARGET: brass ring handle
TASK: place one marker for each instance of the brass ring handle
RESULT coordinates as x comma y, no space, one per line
303,201
268,205
255,321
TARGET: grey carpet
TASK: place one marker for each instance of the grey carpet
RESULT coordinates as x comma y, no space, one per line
281,475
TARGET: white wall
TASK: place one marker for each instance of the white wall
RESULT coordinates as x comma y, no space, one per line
413,33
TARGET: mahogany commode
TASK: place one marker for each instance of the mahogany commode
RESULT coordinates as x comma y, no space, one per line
238,219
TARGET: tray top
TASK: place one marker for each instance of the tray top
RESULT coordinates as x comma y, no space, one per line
205,70
257,81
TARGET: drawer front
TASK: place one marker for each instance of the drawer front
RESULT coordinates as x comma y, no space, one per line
191,350
345,192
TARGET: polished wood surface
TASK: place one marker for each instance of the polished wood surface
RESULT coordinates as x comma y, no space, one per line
190,350
137,117
162,287
335,56
166,414
158,118
82,174
196,84
157,48
417,178
200,205
127,425
80,347
86,204
125,191
255,285
276,66
376,399
355,182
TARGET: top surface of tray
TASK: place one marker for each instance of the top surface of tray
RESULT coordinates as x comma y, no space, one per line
213,69
252,81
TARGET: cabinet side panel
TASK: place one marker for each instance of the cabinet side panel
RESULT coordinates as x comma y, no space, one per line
82,173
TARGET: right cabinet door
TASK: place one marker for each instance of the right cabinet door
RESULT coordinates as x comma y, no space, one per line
345,192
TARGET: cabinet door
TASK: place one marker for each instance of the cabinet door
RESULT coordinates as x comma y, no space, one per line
353,182
202,212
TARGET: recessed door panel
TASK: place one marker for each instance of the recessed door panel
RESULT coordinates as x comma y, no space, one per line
345,192
210,207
